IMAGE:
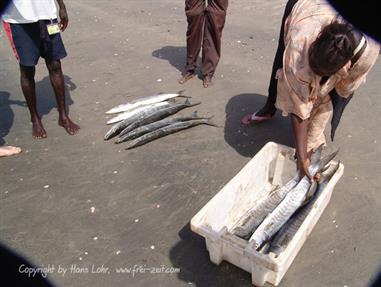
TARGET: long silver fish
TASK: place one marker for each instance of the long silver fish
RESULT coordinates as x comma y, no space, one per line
167,130
125,115
156,115
246,225
281,239
118,127
145,101
286,208
154,126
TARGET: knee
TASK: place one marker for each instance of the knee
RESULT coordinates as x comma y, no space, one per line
54,67
27,73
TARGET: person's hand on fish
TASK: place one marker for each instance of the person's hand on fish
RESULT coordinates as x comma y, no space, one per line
303,166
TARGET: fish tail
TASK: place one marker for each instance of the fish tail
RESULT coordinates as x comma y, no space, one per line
209,122
189,104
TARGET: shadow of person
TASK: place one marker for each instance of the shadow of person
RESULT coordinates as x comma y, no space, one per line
7,114
176,56
46,100
192,258
247,141
14,271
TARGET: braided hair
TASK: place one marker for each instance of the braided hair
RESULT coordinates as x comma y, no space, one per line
332,49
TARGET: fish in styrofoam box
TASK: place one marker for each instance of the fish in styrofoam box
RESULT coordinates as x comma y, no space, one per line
256,180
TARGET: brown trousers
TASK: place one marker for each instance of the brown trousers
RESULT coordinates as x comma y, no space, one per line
205,26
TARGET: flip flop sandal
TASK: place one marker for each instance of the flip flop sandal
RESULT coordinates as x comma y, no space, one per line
254,119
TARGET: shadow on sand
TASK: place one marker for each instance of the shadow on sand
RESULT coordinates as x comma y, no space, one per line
13,271
247,141
6,114
46,100
189,253
191,256
176,56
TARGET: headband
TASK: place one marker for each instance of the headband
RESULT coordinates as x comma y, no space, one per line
359,46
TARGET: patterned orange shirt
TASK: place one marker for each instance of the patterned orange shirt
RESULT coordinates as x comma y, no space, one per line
298,86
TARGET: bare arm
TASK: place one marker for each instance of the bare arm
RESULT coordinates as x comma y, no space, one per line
299,127
64,19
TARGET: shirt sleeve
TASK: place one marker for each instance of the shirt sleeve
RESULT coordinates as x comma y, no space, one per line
357,74
294,81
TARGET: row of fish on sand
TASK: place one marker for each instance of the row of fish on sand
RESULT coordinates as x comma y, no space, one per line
274,220
146,119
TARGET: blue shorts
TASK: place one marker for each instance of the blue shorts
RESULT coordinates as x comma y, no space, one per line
32,41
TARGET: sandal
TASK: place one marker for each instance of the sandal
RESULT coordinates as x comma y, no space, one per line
254,119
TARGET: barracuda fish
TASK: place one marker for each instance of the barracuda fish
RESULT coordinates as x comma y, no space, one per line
118,127
155,116
245,227
287,207
287,232
136,110
145,101
167,130
154,126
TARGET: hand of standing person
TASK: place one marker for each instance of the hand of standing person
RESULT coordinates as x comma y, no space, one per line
64,19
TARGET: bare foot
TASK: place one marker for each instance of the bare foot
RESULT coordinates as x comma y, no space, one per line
38,131
186,77
207,82
69,126
9,150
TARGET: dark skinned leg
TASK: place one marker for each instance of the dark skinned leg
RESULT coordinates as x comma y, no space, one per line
28,87
57,80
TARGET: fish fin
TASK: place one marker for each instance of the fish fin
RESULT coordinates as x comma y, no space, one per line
325,160
181,94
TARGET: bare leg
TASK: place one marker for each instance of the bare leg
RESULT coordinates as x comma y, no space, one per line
28,87
57,80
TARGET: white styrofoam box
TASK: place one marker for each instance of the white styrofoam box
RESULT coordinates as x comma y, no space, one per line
241,193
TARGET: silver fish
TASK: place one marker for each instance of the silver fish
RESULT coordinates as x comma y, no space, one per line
145,101
281,239
155,116
154,126
245,227
125,115
286,208
118,127
164,131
